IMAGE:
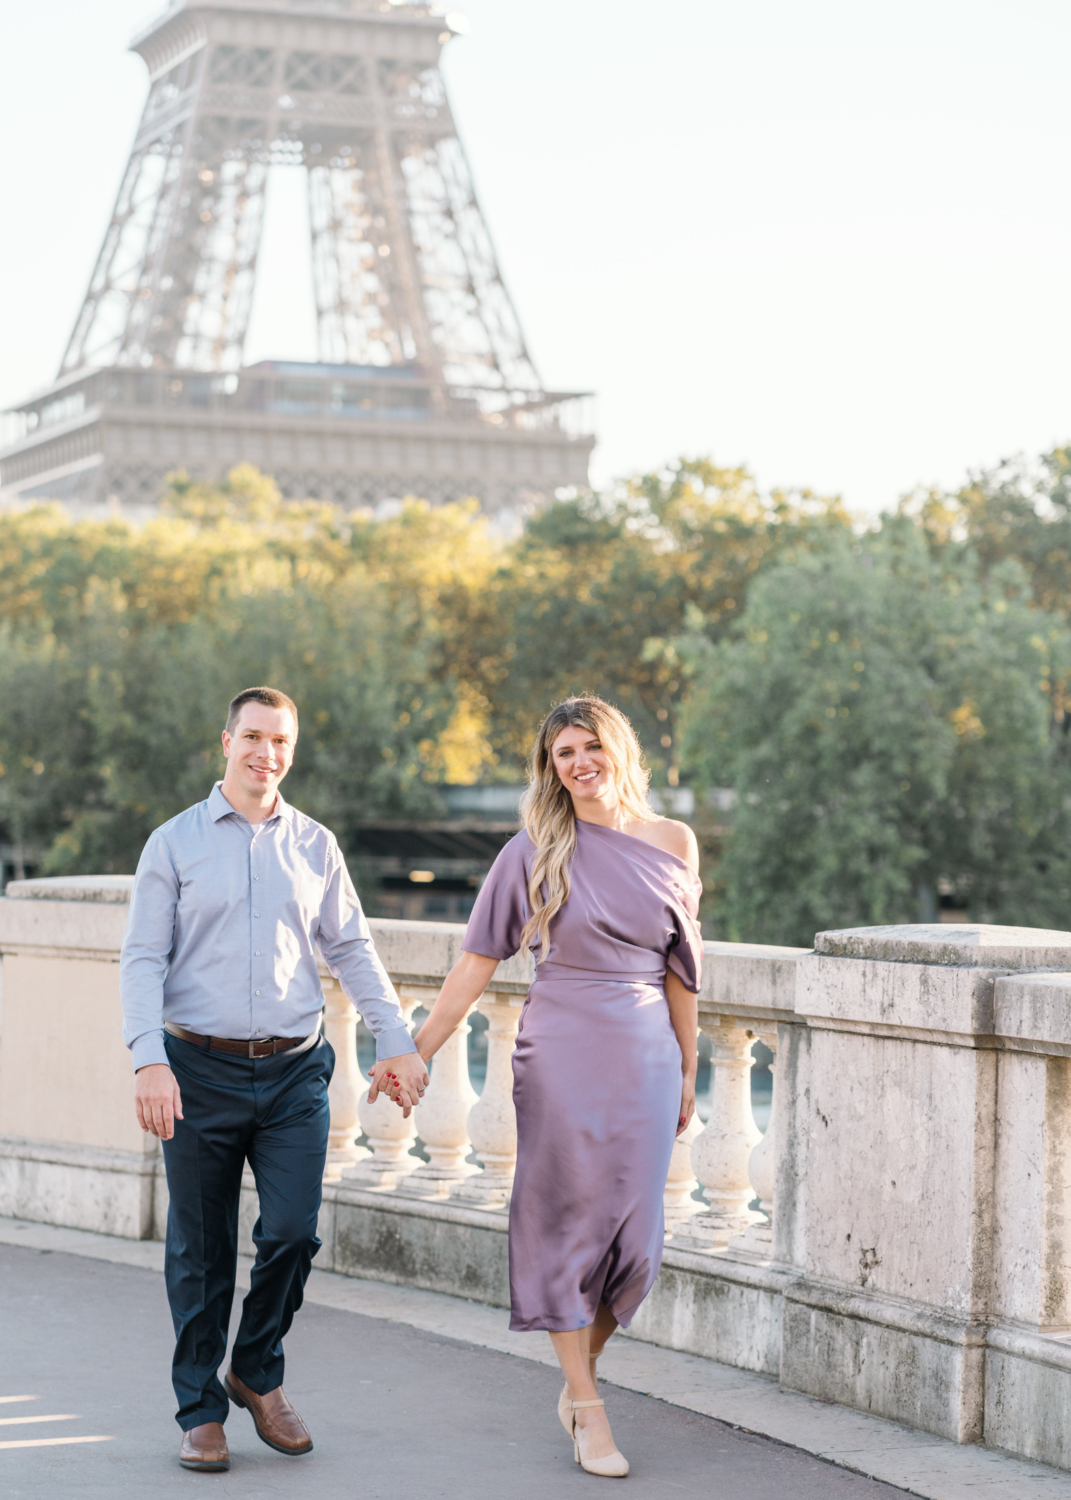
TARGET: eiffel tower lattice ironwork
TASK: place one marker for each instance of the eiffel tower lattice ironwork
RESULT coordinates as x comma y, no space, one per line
418,339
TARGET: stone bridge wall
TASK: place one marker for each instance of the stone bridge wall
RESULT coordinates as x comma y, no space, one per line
912,1254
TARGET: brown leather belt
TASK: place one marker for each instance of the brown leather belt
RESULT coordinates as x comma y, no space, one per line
266,1047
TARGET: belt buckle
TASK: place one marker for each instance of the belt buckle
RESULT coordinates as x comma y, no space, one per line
252,1044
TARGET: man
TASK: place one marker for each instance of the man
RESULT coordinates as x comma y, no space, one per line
221,1005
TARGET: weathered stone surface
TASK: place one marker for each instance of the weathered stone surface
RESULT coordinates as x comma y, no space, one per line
425,1245
717,1310
429,950
1032,1211
108,889
791,1175
750,979
1026,1408
888,1371
62,1021
977,945
110,1192
94,928
910,996
1034,1007
902,1143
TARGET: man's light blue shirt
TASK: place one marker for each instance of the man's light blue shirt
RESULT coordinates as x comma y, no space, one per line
225,919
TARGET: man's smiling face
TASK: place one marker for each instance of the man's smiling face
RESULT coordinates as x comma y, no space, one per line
260,750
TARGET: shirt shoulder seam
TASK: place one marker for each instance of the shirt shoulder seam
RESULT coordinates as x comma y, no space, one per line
296,816
162,831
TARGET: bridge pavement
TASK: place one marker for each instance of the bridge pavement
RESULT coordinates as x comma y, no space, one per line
394,1411
410,1392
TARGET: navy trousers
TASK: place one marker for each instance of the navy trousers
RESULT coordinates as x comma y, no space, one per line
273,1113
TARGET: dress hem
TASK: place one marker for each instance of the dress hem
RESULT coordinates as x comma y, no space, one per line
570,1325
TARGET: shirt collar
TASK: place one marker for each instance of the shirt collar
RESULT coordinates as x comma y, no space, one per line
219,807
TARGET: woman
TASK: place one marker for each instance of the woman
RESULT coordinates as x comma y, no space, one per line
605,892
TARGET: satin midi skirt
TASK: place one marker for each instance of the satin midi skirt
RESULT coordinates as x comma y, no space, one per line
597,1088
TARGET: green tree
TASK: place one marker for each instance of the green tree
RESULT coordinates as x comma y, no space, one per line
891,722
588,593
1018,509
45,749
419,649
123,646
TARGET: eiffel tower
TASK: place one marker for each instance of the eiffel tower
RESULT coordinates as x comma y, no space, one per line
424,385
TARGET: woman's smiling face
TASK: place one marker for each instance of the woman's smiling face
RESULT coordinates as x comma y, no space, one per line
585,769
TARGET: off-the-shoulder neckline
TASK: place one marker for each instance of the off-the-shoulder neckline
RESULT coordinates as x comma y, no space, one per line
657,848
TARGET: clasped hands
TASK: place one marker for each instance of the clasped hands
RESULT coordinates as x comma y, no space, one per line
402,1079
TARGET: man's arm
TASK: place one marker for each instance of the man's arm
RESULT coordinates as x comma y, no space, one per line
346,944
146,952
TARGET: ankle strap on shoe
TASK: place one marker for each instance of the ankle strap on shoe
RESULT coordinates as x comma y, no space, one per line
576,1405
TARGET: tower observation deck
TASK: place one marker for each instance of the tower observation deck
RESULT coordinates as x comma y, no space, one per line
424,384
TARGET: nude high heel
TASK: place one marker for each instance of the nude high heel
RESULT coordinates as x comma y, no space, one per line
613,1466
565,1416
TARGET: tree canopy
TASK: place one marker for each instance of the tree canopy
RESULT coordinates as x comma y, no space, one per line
888,706
419,650
588,593
122,646
892,722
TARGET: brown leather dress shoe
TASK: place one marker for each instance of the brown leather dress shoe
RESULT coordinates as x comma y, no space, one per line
205,1447
276,1421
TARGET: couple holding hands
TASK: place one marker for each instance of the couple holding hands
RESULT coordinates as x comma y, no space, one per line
221,1004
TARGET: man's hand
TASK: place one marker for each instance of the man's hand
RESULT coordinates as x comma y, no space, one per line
403,1079
157,1100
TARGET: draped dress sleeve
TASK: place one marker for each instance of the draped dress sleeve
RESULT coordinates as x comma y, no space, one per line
685,952
501,908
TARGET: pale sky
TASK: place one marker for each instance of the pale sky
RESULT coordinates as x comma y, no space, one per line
825,238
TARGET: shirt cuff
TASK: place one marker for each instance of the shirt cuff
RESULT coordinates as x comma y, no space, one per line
148,1049
394,1043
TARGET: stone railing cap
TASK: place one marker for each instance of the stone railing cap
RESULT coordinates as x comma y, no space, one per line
718,949
113,889
977,944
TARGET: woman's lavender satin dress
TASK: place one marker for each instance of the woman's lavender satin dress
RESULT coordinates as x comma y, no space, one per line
597,1072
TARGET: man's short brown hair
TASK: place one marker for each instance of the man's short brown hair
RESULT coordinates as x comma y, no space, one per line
270,697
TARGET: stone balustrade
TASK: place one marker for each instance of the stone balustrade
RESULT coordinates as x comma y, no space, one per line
899,1239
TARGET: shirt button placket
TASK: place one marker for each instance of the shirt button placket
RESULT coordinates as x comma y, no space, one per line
254,968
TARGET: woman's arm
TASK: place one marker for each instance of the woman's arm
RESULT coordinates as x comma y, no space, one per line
684,1013
462,987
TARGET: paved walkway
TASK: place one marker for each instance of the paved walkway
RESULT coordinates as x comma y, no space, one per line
416,1394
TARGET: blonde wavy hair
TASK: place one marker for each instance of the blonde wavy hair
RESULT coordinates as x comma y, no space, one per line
547,807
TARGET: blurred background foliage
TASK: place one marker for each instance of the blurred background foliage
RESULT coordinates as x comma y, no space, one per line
873,719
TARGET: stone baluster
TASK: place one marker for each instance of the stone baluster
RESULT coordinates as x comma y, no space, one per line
389,1133
346,1086
492,1119
721,1151
756,1242
442,1121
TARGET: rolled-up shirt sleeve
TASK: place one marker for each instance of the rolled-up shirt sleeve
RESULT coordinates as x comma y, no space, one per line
146,952
346,944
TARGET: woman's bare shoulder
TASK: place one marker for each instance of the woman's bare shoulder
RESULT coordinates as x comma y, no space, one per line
672,836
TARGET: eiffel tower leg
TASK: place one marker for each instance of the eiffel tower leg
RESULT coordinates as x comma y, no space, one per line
173,283
471,317
213,271
136,235
357,307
